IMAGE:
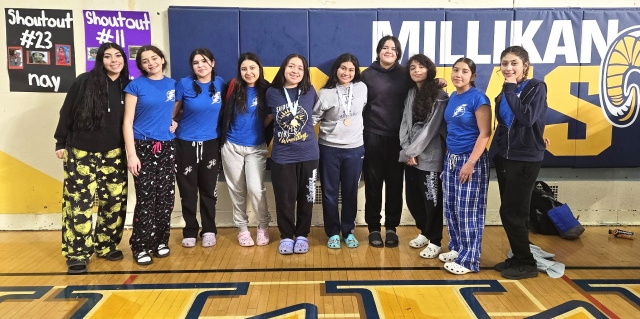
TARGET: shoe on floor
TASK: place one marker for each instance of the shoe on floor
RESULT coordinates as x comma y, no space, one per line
448,257
334,242
208,240
301,245
162,251
263,237
143,258
286,246
351,241
375,239
244,239
499,267
76,266
431,251
419,241
112,255
456,269
391,239
520,271
188,242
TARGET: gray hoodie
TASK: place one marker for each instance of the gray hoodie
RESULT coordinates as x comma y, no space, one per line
331,114
424,140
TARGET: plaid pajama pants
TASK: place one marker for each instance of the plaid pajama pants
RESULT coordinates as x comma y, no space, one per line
465,207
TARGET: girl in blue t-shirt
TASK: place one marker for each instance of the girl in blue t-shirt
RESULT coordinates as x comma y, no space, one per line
150,148
466,169
290,100
244,147
198,101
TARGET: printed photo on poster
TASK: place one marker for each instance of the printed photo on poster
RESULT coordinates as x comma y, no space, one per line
40,50
91,53
133,51
15,58
38,57
63,54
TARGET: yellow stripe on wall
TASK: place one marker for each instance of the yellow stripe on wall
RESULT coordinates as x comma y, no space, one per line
24,189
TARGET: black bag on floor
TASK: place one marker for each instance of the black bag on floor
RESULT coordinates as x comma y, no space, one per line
542,200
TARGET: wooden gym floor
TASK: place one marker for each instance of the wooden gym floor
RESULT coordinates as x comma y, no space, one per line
602,280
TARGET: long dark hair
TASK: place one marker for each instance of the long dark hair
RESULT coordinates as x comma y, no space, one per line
472,67
520,52
332,81
149,48
240,88
304,85
205,53
95,98
426,95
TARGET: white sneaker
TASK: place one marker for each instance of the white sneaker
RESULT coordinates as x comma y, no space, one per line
432,251
448,257
419,242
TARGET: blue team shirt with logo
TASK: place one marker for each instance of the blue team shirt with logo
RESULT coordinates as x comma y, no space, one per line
462,126
200,113
247,127
154,108
293,141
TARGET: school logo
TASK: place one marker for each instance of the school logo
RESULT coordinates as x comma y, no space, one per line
216,98
620,79
171,95
460,110
254,102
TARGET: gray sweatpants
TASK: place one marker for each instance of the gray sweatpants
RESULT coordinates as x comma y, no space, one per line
244,168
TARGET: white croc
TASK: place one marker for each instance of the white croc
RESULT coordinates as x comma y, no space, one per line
432,251
448,257
419,242
456,269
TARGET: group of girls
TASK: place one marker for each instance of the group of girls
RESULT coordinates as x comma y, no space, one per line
440,142
382,123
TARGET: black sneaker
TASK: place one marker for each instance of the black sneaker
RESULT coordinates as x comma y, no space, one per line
499,267
520,271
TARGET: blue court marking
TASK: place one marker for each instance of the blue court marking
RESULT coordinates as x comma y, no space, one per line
75,292
585,284
568,306
371,310
311,311
37,292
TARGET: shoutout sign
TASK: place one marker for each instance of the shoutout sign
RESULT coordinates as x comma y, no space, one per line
40,50
129,29
589,58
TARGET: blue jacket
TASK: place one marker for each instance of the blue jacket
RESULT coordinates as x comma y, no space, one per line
524,141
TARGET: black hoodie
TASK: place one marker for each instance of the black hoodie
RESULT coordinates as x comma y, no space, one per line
387,89
524,141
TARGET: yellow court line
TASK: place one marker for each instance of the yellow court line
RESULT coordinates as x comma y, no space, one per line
511,314
339,315
528,294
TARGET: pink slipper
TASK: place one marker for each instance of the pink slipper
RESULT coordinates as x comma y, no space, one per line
208,239
245,240
263,237
188,242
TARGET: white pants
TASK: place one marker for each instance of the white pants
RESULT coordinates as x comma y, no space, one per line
244,168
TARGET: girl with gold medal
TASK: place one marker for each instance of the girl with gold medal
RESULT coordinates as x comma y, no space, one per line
339,111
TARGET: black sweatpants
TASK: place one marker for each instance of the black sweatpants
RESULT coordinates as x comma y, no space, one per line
381,165
423,192
197,170
155,195
516,180
294,187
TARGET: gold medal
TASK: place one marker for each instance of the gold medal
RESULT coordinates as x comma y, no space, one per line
294,122
347,121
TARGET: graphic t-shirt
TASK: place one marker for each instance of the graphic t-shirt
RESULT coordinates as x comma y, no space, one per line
154,108
200,113
462,126
294,139
247,127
